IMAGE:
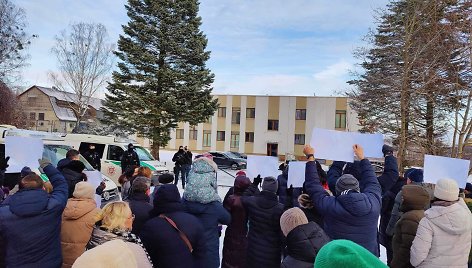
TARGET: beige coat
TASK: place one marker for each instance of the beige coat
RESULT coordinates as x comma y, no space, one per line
78,220
443,238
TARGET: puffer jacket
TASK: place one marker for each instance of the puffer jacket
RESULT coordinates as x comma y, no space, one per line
340,212
415,198
72,178
303,243
265,235
78,220
390,174
443,238
201,184
468,202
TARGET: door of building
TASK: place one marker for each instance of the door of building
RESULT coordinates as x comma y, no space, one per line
272,149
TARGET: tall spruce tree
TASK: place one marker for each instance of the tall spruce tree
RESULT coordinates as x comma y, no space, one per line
162,77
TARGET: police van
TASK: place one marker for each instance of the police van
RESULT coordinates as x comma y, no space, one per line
110,149
55,149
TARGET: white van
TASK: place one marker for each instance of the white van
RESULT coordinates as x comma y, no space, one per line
111,149
55,149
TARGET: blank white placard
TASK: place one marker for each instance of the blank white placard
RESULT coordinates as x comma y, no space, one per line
23,152
266,166
439,167
296,173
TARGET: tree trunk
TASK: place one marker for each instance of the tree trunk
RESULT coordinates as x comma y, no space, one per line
155,149
430,126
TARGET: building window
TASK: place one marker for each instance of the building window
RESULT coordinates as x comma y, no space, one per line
249,136
300,139
222,112
41,116
206,138
340,119
300,114
273,125
234,140
193,134
179,134
250,112
236,116
71,125
33,116
220,135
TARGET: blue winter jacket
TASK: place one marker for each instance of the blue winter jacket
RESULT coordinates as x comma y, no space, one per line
353,216
30,224
210,215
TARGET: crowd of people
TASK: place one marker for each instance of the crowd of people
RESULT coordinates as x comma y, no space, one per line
332,221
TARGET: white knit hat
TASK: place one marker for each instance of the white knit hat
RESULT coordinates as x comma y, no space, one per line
84,190
447,190
292,218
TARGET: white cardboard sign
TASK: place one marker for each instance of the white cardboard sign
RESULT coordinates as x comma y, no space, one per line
337,145
95,178
266,166
23,152
296,173
439,167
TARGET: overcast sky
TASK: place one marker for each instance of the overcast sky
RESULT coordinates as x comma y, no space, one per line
275,47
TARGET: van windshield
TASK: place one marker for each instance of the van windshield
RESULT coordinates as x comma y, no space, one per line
143,154
57,152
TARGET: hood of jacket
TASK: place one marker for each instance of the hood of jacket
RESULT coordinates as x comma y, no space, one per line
196,208
76,208
204,165
415,197
304,242
455,219
29,202
357,204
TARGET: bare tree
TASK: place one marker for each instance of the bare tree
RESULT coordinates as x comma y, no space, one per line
85,59
11,108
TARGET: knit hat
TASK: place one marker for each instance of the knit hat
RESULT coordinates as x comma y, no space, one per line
25,172
240,173
167,193
345,253
166,178
347,182
292,218
269,184
447,190
415,175
84,189
115,253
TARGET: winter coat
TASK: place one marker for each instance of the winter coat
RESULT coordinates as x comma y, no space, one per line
165,246
78,220
31,222
72,178
396,213
129,159
443,237
201,184
303,243
306,205
210,216
235,243
282,185
62,163
390,174
140,206
182,158
415,198
468,202
265,235
340,212
115,253
388,201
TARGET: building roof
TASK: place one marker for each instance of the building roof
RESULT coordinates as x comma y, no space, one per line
63,113
68,96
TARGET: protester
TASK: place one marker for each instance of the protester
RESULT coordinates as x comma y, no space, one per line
288,195
250,191
345,253
125,181
72,171
129,158
78,219
415,198
114,253
173,238
185,168
468,202
93,157
443,238
71,155
264,235
390,173
304,239
115,222
306,205
356,201
201,199
139,203
3,167
30,222
165,178
144,172
235,243
182,165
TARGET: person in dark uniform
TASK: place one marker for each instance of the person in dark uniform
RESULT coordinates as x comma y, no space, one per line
93,157
129,158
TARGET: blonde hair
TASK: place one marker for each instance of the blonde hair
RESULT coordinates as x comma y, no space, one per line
145,172
114,216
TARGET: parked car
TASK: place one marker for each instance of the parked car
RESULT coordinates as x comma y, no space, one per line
238,155
228,160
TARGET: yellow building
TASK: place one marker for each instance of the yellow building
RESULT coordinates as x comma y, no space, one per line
265,125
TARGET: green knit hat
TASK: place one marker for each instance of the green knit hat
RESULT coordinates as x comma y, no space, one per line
345,253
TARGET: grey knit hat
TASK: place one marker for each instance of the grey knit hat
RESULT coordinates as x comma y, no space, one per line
270,184
347,182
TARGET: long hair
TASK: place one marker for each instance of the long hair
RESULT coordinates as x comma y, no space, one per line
114,216
144,172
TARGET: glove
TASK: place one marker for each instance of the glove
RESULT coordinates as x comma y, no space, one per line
44,162
4,163
289,190
387,150
257,180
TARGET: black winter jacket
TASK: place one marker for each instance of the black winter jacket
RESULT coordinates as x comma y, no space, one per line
72,178
140,206
264,236
303,243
